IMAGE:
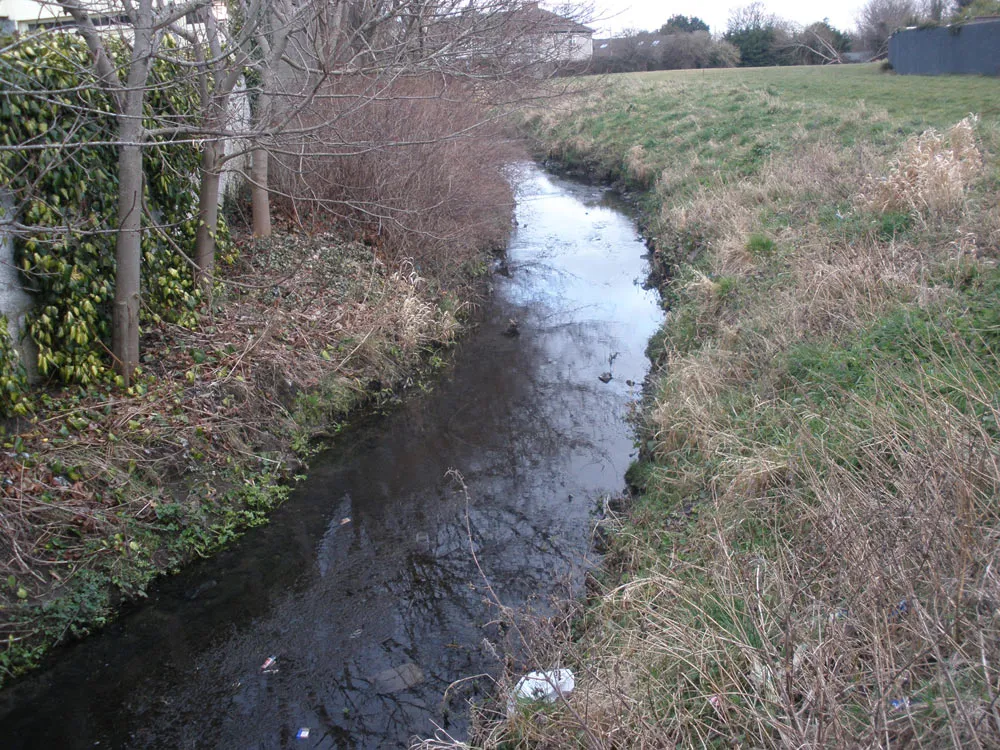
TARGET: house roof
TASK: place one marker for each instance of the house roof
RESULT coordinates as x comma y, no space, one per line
547,22
625,46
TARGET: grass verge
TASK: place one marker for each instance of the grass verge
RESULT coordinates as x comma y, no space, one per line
812,559
102,490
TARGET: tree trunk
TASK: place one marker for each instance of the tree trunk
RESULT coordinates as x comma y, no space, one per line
208,213
260,198
128,254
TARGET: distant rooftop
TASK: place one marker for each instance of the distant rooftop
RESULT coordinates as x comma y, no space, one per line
547,22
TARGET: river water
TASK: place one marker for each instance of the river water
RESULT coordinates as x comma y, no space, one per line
364,587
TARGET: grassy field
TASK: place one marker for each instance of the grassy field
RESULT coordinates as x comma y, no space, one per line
813,560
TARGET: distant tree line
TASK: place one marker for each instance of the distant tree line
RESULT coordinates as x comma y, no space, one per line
763,38
668,49
756,38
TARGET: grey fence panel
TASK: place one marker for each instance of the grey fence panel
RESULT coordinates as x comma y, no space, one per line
970,48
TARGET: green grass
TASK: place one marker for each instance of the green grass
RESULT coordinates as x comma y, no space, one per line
732,120
817,512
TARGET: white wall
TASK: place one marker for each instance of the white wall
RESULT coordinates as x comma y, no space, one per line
565,47
233,171
14,301
581,47
25,12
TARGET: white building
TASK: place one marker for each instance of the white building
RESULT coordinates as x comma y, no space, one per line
558,39
25,16
28,15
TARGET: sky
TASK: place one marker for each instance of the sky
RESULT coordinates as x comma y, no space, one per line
648,15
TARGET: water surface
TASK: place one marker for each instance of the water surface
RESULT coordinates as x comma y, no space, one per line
364,586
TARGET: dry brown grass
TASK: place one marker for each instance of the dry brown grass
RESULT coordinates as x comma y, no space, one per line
931,175
638,168
785,645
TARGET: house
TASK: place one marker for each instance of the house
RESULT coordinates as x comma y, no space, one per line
28,15
643,51
636,46
25,16
556,38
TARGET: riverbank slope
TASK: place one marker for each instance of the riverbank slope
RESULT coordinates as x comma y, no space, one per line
104,490
812,557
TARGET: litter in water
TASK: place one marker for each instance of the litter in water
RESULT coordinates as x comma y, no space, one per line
268,663
303,734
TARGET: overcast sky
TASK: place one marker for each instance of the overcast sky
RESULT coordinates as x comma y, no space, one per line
648,15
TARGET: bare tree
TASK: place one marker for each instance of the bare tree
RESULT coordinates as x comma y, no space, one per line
317,70
934,10
878,19
126,87
761,37
218,52
362,56
819,43
697,49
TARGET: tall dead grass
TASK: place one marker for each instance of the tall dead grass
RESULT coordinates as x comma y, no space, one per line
413,165
930,176
822,605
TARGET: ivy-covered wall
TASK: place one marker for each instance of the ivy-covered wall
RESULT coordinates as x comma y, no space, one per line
65,191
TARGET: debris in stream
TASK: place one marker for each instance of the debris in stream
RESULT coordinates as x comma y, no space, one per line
605,377
398,679
513,329
302,734
269,662
541,686
899,611
344,521
194,593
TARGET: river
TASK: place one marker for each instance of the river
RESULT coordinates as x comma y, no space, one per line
364,588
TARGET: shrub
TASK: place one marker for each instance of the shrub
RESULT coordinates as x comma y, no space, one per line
415,166
13,381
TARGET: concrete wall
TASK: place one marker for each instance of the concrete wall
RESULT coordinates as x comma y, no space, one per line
15,302
233,172
968,48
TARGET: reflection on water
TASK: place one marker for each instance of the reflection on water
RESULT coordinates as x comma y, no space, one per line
370,619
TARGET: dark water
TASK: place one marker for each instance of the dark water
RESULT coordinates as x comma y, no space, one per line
371,619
